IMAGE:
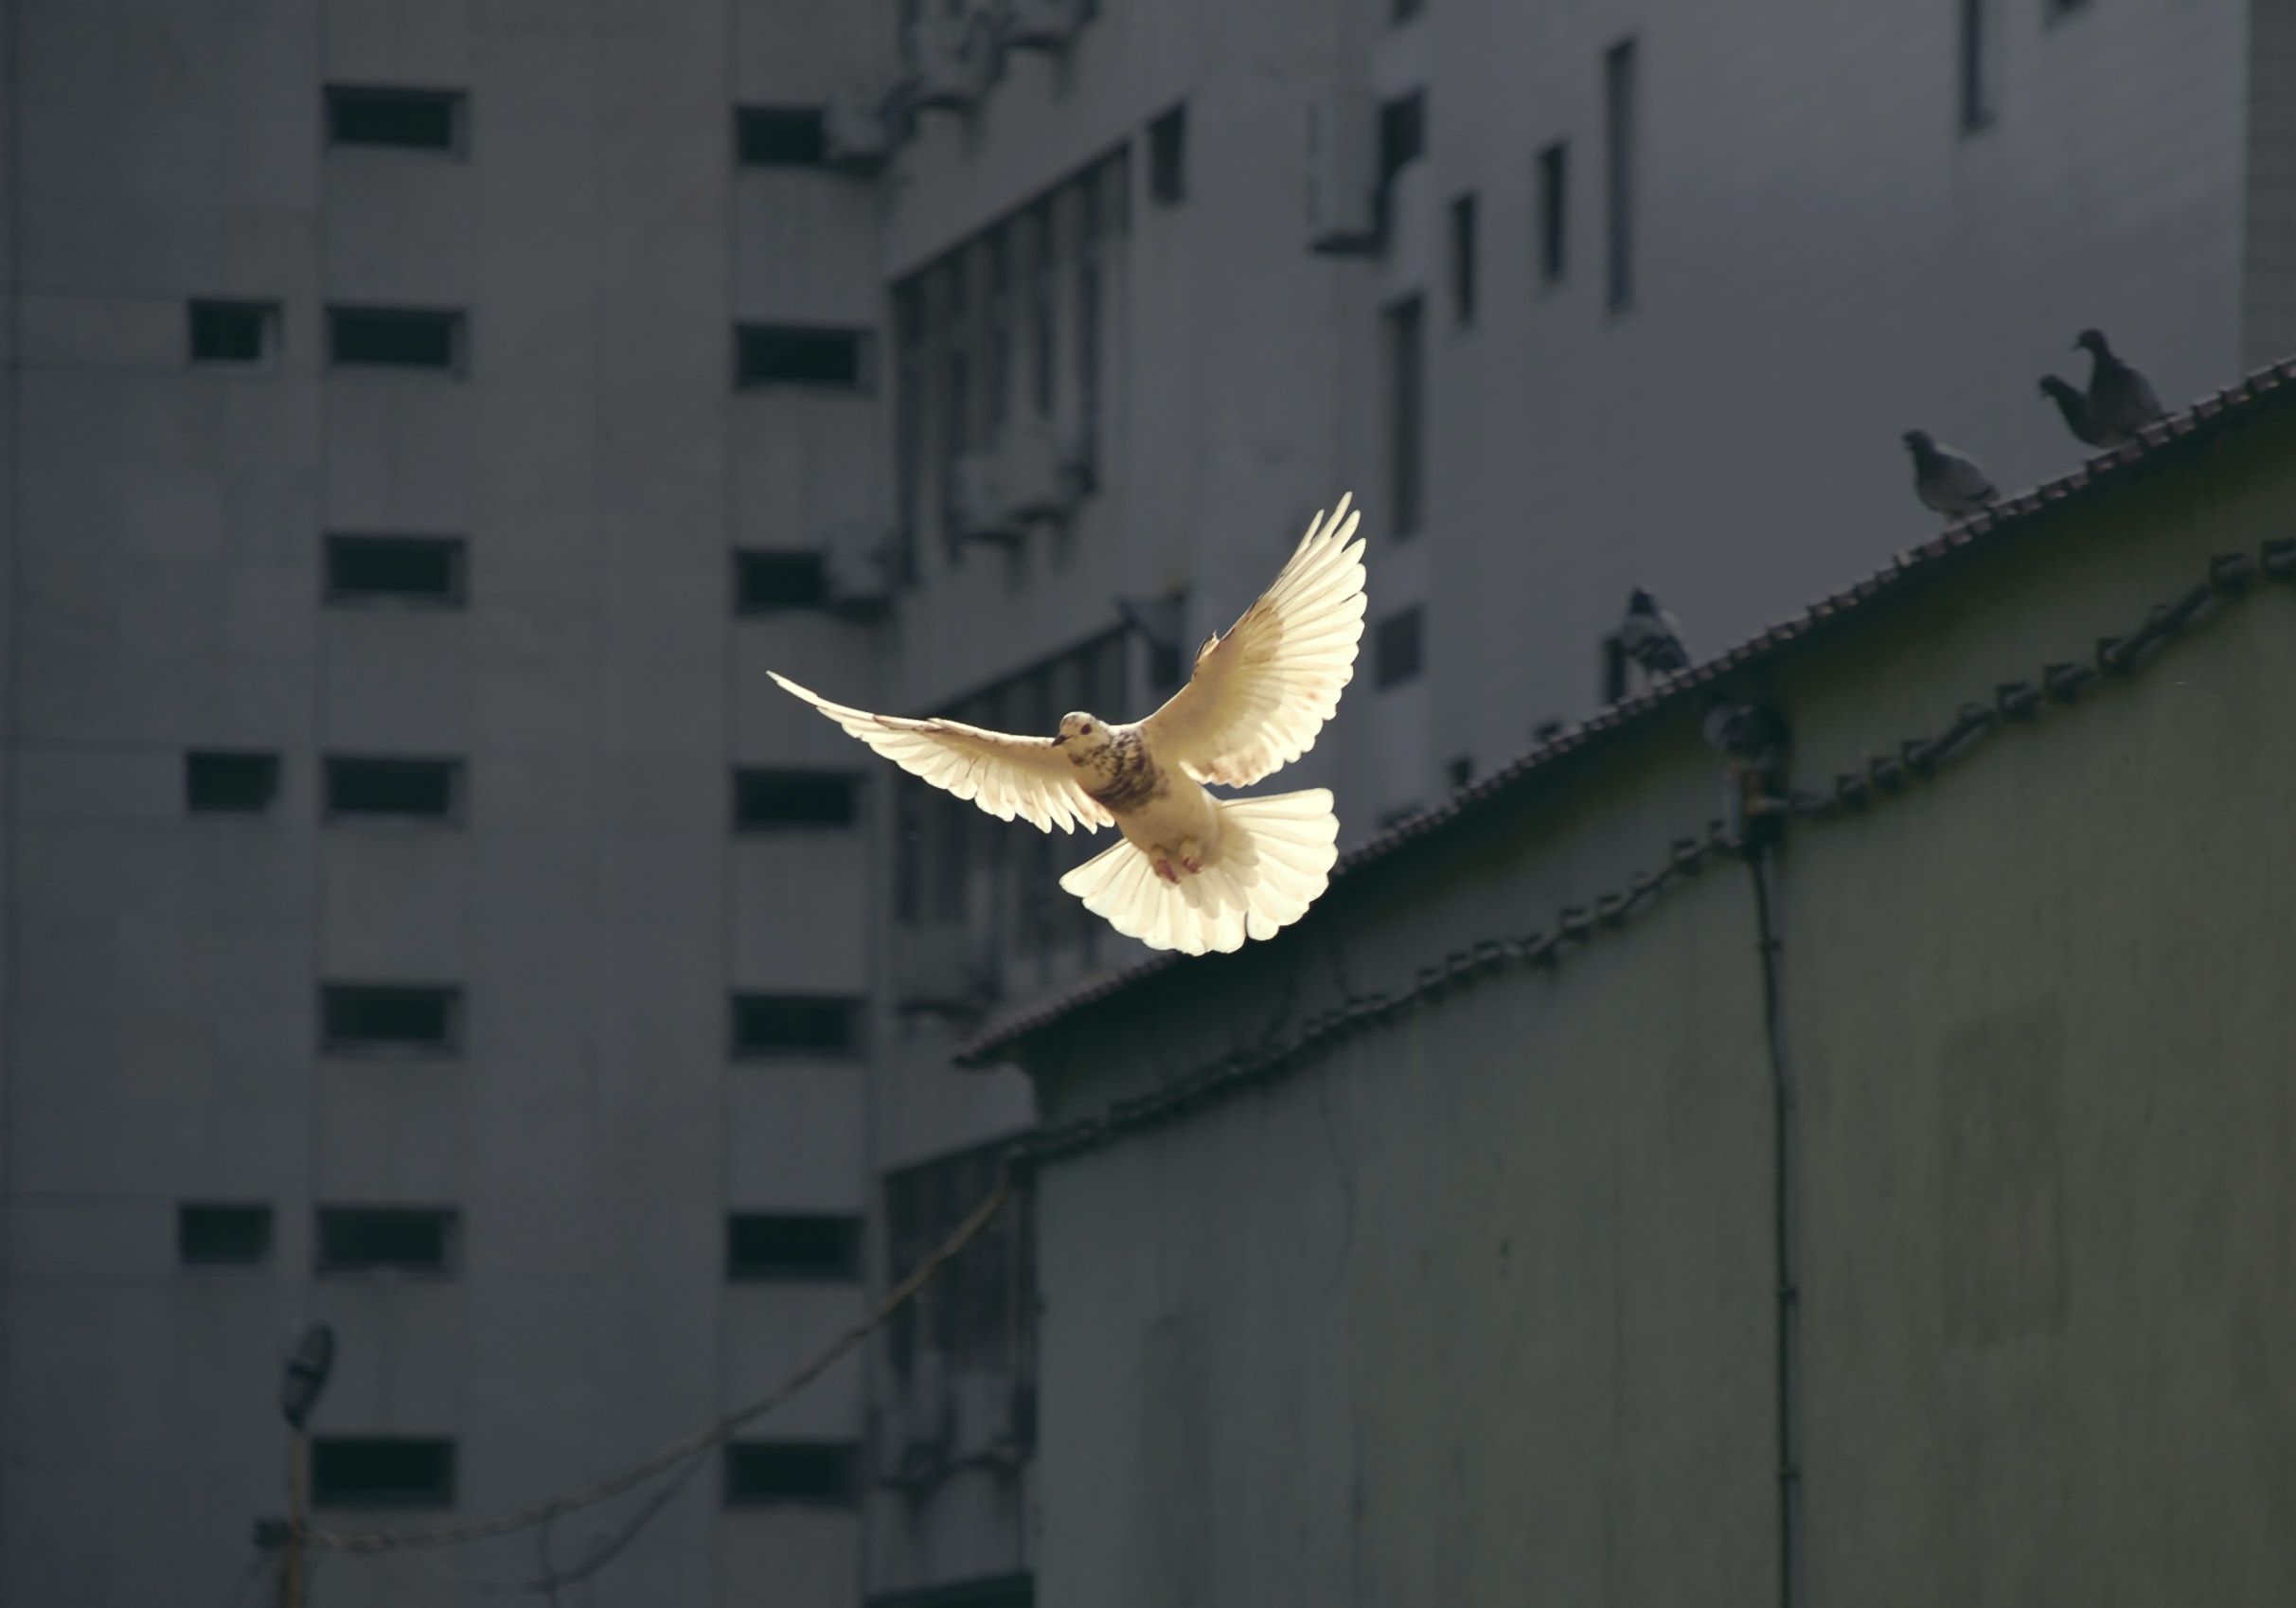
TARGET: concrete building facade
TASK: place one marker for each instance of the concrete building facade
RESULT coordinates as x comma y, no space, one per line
1586,1203
426,421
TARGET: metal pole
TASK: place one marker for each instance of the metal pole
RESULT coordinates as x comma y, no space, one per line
291,1550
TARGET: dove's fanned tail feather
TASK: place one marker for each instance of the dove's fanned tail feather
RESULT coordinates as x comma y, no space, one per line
1275,856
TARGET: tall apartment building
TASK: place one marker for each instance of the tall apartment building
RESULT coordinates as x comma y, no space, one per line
427,419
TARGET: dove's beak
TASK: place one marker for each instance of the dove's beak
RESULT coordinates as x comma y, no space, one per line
1057,741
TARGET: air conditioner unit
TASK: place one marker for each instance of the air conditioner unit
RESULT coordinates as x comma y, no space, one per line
855,135
1036,477
1040,24
978,501
953,59
1343,171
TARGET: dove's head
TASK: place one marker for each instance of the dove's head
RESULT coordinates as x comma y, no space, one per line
2060,389
1082,734
1920,441
2092,341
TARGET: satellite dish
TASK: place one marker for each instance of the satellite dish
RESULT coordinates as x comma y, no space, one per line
311,1356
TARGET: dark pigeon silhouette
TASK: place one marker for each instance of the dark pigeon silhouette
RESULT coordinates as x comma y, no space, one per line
1944,480
1650,637
2121,400
2073,403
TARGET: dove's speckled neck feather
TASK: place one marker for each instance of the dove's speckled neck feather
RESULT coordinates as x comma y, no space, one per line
1121,775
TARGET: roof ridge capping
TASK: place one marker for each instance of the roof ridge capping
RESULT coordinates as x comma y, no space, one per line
2203,416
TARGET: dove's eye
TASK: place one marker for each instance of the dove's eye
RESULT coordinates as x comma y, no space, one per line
1085,727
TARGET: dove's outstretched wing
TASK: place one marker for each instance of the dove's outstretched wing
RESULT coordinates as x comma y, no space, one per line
1004,774
1260,693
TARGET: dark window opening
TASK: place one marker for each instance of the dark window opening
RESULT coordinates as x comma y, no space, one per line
798,1247
222,1235
232,331
765,582
1398,649
795,798
1402,134
1000,328
381,1472
230,784
811,1473
782,354
394,337
1463,260
1044,320
398,789
785,1024
363,1239
1976,74
1619,114
1406,433
405,569
1088,317
778,136
1167,139
404,119
1554,210
397,1016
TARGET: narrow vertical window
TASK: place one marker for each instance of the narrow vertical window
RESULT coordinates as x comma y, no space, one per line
1554,212
1463,260
1619,113
1976,86
1169,157
956,387
1044,321
999,327
1406,442
1088,315
908,416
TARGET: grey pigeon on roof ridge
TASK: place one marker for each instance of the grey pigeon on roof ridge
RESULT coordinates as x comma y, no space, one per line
2073,403
1651,636
2121,400
1945,480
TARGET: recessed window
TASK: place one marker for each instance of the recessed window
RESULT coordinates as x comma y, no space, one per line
395,569
765,799
1167,141
401,119
1402,132
1463,260
762,1245
788,355
407,1017
222,1235
395,337
796,1024
381,1471
402,790
233,332
375,1239
1976,67
230,784
807,1474
1397,650
778,136
1406,424
1619,113
1554,212
765,582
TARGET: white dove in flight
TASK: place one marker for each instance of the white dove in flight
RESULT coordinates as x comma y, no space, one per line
1194,872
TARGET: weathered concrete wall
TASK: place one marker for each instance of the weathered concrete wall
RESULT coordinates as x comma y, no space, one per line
1479,1307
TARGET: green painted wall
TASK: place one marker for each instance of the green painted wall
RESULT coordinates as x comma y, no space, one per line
1478,1306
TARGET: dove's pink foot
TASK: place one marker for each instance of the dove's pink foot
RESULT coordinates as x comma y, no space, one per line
1164,869
1191,864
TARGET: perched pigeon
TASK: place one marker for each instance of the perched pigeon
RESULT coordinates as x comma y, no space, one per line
1944,480
1650,637
2121,400
1194,872
2073,403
